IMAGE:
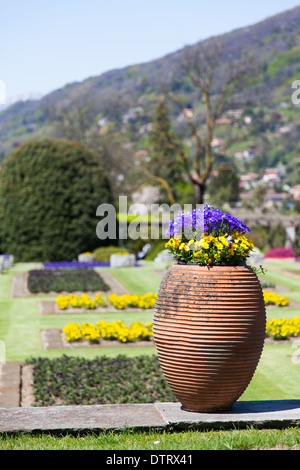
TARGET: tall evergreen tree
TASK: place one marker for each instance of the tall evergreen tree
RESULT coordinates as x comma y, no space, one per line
163,167
49,193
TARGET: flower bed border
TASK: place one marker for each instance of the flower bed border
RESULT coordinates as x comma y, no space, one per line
49,307
54,338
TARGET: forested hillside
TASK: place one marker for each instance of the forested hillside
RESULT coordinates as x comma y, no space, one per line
113,113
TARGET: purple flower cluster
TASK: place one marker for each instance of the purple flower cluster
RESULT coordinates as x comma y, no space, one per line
207,220
73,264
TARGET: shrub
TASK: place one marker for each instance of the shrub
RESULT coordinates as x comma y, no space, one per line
104,253
49,194
280,253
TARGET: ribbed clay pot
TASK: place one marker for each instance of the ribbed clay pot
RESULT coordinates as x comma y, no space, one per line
209,329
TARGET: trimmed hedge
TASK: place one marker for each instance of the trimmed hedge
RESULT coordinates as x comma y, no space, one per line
49,193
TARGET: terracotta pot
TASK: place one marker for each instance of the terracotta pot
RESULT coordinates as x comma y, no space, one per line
209,329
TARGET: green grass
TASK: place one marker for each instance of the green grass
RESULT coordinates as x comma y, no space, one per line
282,280
284,264
156,441
277,376
138,280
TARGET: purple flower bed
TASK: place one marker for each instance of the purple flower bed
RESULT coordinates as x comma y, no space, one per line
280,253
77,264
73,264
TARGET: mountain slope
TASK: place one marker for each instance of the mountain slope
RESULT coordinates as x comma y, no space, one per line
275,43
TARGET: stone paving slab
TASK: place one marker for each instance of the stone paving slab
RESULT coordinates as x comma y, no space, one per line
10,377
81,418
263,414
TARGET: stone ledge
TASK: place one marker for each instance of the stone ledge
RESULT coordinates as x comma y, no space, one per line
261,414
10,379
81,418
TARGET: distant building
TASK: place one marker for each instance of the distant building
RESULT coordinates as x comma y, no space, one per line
295,192
272,175
223,121
235,113
216,142
249,181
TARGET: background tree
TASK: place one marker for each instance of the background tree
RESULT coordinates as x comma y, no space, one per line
49,193
78,122
215,81
224,186
74,121
161,166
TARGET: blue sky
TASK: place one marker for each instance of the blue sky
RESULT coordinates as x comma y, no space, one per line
47,44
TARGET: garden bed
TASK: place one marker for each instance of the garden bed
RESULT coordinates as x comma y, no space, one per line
20,286
55,338
78,381
65,280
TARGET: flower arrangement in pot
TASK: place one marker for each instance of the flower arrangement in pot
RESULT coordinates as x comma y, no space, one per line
209,320
208,237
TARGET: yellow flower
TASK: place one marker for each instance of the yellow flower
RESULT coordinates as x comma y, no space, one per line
218,245
199,243
224,241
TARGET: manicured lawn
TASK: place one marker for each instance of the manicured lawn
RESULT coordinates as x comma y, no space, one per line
281,279
138,280
284,264
20,324
277,376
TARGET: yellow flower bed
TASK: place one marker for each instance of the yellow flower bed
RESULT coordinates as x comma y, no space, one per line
118,301
283,328
272,299
139,301
66,301
116,330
